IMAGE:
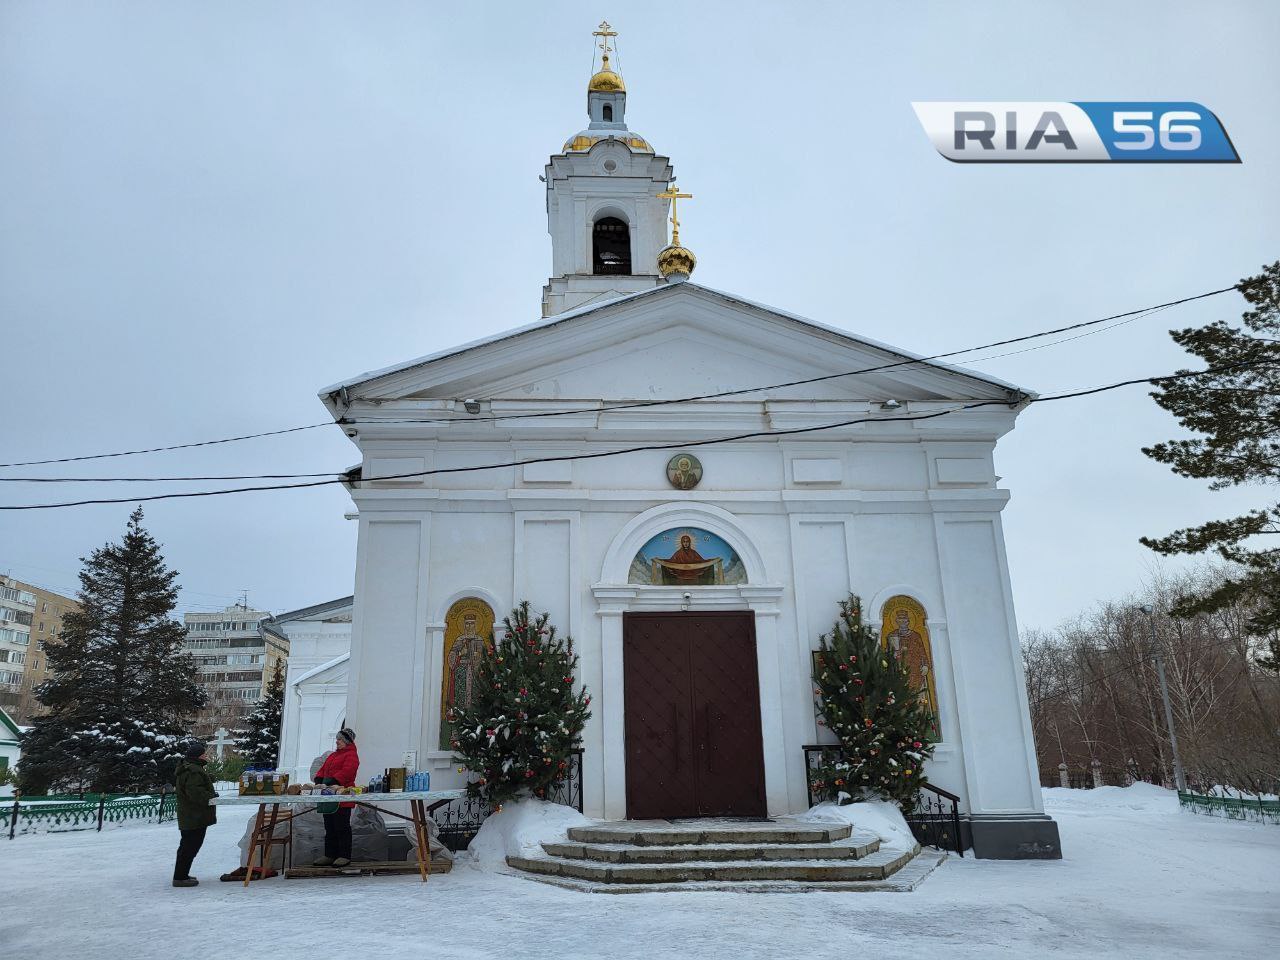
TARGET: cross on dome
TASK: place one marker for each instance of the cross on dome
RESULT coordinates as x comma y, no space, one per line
606,80
674,261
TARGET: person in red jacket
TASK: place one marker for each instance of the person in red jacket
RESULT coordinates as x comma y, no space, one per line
339,768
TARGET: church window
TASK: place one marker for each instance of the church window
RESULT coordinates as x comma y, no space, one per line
608,113
611,247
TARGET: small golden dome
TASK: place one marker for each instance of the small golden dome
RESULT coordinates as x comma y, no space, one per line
606,81
676,259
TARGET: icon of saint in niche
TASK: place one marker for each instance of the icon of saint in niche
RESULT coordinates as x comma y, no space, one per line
904,631
464,665
684,471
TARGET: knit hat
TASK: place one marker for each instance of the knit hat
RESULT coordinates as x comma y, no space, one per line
347,734
194,749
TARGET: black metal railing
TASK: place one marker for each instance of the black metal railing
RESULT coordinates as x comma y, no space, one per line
934,819
817,756
460,820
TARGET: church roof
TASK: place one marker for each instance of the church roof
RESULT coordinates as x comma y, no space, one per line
315,611
329,665
665,290
9,731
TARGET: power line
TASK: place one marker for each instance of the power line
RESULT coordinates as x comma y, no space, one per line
1130,314
253,476
638,404
176,446
758,434
340,475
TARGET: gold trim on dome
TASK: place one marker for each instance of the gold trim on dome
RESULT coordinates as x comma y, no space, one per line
583,143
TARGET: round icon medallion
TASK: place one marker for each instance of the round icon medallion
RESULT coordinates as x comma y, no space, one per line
684,471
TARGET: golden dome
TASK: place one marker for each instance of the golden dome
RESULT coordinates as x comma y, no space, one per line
587,139
606,81
676,259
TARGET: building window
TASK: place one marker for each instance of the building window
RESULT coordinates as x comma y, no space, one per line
608,113
611,247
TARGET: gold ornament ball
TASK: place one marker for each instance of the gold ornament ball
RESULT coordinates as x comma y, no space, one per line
675,259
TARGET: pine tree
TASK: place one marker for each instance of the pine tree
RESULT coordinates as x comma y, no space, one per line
258,741
519,732
1236,413
123,694
866,699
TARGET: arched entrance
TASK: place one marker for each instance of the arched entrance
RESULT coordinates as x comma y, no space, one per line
691,700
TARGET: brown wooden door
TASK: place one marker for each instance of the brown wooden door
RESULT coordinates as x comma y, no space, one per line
692,716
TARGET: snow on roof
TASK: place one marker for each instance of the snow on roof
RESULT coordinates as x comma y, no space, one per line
316,671
307,613
547,322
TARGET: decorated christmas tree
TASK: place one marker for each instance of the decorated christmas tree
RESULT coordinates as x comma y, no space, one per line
518,733
122,695
866,699
258,741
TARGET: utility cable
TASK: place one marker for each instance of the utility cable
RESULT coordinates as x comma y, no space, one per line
753,435
639,404
341,474
1133,314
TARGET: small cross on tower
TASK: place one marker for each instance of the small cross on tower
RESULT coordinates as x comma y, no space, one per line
604,31
673,194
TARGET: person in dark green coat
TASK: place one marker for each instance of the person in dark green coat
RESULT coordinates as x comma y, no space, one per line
195,816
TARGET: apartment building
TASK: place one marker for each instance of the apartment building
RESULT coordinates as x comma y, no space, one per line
235,655
29,616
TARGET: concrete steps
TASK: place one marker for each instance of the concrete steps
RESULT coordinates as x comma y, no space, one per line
629,857
625,853
643,833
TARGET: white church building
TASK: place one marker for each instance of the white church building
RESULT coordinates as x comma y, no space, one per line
628,464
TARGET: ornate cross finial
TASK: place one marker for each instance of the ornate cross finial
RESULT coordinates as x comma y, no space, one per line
673,194
604,31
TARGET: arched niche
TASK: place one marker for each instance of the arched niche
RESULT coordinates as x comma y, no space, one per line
610,247
621,554
468,624
904,628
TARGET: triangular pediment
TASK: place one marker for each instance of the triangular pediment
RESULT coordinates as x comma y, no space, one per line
675,341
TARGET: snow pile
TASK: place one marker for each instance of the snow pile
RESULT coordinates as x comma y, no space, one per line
880,817
519,830
1139,797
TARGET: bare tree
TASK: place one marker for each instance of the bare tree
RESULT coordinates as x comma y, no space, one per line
1094,695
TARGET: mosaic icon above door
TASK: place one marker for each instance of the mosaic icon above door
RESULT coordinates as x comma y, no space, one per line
686,556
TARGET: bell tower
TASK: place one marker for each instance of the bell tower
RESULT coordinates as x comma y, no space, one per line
605,214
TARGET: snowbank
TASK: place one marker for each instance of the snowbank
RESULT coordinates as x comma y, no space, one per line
519,829
1141,797
880,817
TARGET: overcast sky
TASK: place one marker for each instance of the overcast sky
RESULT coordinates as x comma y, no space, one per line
211,210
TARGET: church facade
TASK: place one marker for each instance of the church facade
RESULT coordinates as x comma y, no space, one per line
629,464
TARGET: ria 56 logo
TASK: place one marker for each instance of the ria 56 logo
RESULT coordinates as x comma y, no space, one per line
1089,132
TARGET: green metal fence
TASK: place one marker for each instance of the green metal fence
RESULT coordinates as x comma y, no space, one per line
1233,808
54,814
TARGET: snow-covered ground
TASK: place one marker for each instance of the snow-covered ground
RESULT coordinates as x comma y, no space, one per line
1140,879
